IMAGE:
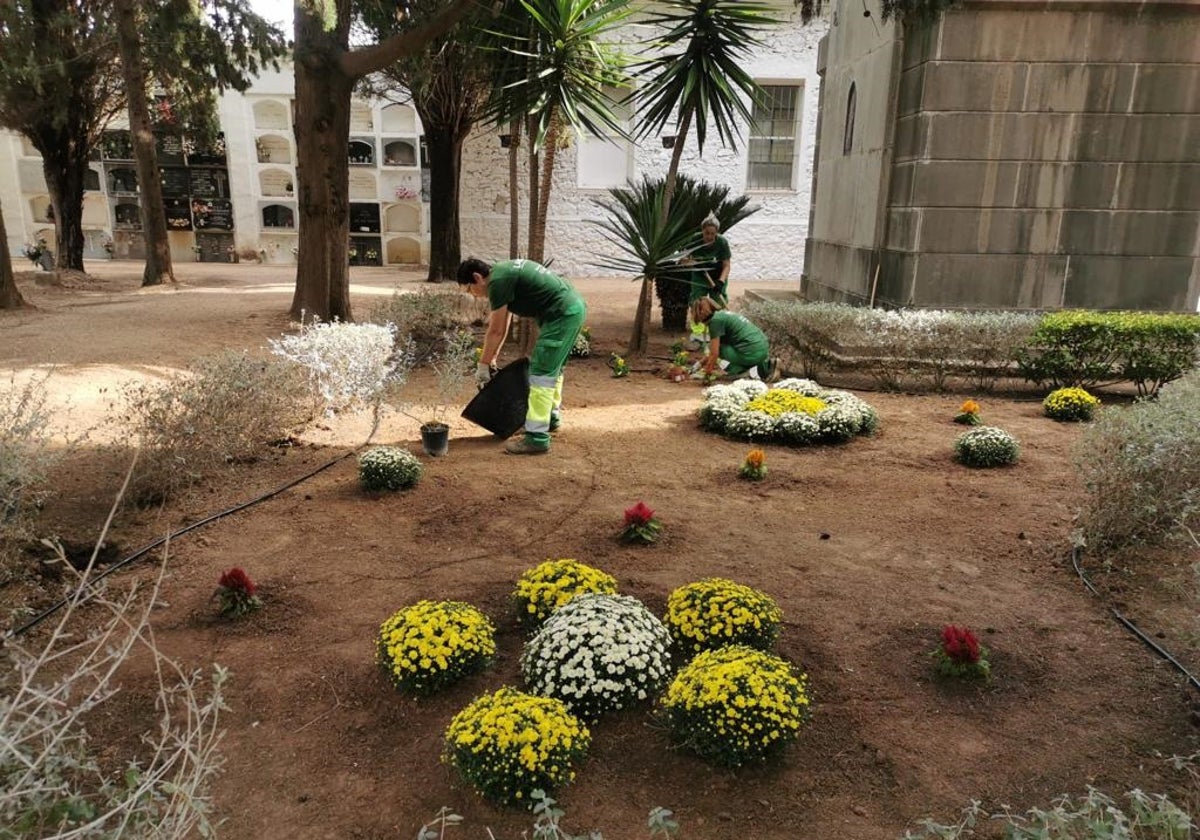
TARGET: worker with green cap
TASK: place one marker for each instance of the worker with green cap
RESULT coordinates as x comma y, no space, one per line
528,289
708,273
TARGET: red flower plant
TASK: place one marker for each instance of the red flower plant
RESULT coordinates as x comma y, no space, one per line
961,655
237,592
640,524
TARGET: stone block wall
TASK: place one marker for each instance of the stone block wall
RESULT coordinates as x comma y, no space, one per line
1048,156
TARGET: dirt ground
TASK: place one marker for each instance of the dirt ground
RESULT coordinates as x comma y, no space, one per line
869,548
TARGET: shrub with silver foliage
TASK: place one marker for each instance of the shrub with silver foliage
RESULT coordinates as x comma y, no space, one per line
25,452
1141,468
348,365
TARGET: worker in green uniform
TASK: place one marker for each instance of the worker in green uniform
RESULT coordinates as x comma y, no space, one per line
528,289
709,271
736,341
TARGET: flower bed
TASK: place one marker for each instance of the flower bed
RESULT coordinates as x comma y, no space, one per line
598,653
794,411
508,744
715,612
432,644
736,705
547,586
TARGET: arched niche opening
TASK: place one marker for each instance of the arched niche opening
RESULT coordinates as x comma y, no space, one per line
403,218
403,249
122,180
399,153
362,152
127,215
271,114
278,216
399,119
40,207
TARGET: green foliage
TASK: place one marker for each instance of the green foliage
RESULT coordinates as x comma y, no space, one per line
1070,405
1095,816
1141,469
388,468
425,318
736,705
224,409
1083,348
986,446
699,71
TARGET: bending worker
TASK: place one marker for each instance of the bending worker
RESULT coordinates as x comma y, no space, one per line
735,341
525,288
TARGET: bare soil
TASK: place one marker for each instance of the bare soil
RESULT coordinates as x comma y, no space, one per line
869,548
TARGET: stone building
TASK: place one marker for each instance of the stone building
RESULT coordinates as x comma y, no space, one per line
1013,154
245,201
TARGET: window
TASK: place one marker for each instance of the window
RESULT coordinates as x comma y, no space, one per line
773,132
851,105
607,161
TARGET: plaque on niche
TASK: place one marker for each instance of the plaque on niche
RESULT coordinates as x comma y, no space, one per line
175,182
276,182
205,183
179,213
362,185
169,148
364,218
212,214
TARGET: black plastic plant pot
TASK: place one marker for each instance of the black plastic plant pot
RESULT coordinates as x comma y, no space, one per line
501,405
435,439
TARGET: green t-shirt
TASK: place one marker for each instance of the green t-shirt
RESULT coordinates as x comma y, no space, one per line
734,329
709,257
530,290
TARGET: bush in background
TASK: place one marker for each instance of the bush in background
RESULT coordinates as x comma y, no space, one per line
424,318
224,409
1141,469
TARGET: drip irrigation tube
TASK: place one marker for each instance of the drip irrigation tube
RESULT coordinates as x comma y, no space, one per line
1130,626
38,619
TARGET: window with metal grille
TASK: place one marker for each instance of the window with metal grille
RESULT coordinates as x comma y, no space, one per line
774,130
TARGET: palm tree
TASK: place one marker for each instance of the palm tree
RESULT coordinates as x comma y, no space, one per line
698,77
653,242
557,69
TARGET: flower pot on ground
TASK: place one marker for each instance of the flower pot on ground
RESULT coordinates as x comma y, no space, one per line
435,438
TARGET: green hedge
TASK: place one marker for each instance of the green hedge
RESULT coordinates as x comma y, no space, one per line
1082,349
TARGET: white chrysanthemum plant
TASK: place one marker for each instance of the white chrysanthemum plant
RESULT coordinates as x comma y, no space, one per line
598,653
793,411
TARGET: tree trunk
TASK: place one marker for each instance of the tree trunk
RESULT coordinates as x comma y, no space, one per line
514,192
64,163
10,296
153,213
537,223
445,169
533,173
322,132
640,339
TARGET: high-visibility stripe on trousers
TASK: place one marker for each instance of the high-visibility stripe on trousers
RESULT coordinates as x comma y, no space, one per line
555,339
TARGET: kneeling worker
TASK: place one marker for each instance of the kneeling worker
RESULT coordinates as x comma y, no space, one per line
734,340
525,288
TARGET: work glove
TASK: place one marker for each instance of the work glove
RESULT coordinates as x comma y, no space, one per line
483,374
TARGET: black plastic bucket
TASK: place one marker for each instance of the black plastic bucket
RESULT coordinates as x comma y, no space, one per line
500,407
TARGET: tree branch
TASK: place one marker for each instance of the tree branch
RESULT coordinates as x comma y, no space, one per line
360,62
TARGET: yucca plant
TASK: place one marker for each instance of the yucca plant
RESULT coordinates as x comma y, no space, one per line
698,74
653,246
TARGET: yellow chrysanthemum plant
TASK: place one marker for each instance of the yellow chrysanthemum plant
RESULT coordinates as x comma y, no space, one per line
547,586
430,645
715,612
736,705
507,744
1070,405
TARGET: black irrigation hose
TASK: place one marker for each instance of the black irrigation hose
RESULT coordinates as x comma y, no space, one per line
1130,626
36,620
